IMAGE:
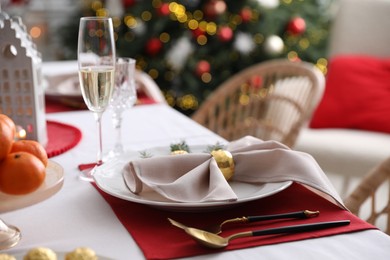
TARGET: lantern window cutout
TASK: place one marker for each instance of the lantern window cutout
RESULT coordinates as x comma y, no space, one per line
21,88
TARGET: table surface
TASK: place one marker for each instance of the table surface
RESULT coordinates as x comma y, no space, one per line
79,216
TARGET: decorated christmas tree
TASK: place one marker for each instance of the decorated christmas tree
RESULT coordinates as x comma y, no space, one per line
189,47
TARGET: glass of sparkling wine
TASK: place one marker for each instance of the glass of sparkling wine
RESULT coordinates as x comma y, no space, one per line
96,59
124,97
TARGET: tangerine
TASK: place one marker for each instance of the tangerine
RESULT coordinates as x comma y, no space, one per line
21,173
7,134
7,120
30,146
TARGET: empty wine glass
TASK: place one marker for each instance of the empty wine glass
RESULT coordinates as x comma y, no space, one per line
123,98
96,59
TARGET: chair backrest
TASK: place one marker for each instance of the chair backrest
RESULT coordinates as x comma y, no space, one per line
370,200
271,100
146,84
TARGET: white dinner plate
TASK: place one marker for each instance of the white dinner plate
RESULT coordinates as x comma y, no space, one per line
70,88
108,178
53,182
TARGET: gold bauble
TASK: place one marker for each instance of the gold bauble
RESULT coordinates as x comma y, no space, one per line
176,152
225,162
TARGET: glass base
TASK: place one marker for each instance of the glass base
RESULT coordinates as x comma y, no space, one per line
9,235
116,152
87,174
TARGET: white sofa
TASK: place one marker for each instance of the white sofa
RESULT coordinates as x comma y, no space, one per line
360,27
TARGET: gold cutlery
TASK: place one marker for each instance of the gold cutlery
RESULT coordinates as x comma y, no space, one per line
217,229
212,240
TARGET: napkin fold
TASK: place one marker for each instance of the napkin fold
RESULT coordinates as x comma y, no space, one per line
180,178
197,178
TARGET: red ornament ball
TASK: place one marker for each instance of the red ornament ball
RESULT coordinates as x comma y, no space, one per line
128,3
153,46
202,67
225,34
163,10
296,26
256,81
246,14
197,32
214,8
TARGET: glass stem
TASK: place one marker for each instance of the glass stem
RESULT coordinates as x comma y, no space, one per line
99,160
117,122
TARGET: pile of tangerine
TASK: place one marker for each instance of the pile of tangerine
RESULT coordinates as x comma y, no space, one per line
22,162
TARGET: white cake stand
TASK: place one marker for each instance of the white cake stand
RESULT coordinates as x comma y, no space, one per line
11,235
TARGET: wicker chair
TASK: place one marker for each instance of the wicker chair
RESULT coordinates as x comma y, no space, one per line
269,100
148,86
372,197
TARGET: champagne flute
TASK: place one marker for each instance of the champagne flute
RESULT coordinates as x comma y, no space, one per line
124,97
96,59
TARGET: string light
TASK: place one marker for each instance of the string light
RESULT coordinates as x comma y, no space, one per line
35,32
20,133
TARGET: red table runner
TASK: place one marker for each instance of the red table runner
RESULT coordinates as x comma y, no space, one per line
158,239
66,104
61,138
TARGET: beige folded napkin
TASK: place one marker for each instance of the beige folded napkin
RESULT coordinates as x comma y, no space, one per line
197,178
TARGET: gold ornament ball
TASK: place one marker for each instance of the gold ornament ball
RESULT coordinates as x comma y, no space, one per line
177,152
225,162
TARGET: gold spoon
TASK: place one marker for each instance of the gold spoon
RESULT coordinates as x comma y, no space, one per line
217,229
211,240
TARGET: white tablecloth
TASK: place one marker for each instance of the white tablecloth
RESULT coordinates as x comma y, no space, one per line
78,215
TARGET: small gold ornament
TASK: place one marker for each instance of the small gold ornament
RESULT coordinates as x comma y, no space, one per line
225,162
176,152
179,148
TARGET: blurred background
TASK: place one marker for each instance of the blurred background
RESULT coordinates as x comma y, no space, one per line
188,47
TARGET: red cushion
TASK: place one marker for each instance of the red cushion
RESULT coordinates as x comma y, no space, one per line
357,95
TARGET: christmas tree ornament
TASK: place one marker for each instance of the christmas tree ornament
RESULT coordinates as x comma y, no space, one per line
163,10
214,8
115,8
269,4
153,46
296,26
128,3
256,82
179,53
202,67
246,14
139,27
197,32
225,162
244,43
225,33
273,45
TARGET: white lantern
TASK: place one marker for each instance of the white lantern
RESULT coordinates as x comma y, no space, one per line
21,90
